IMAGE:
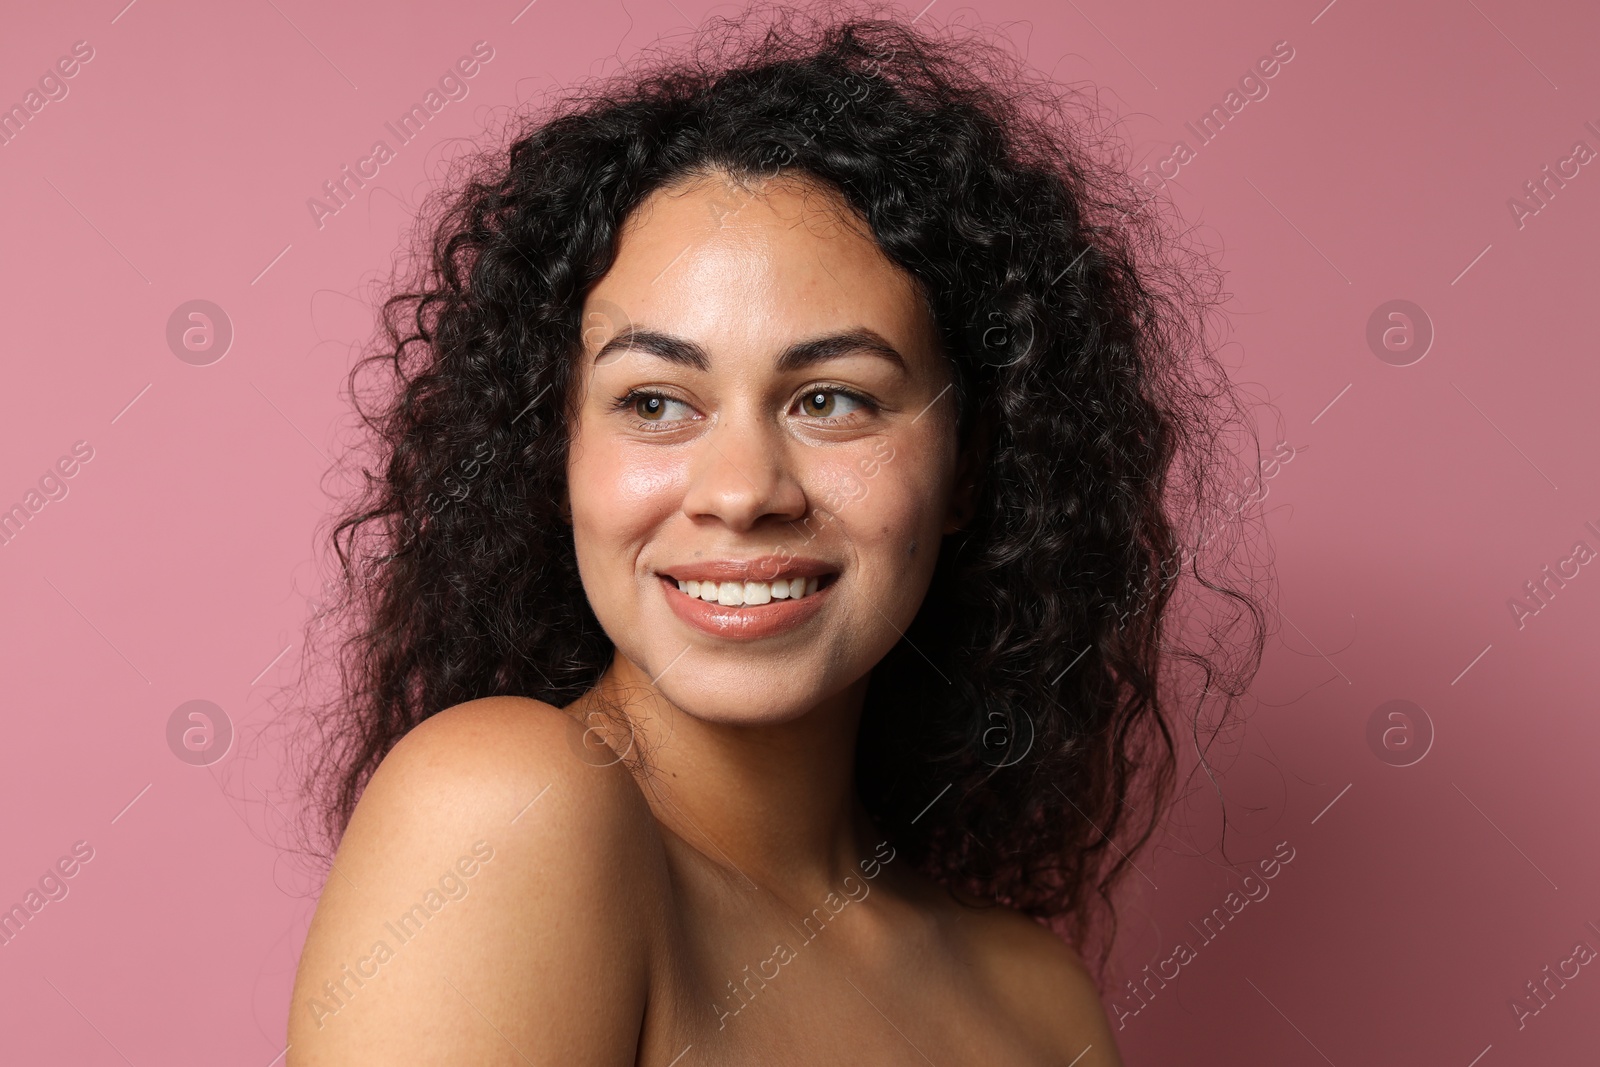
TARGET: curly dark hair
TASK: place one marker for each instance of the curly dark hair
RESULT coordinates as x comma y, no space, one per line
1029,700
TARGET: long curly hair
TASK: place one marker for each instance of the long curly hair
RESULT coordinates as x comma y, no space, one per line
1003,739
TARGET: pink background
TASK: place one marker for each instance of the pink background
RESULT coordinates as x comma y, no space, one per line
1420,500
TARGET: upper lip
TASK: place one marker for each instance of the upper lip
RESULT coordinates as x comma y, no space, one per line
760,569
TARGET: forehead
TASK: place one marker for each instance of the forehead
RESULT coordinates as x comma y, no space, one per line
757,264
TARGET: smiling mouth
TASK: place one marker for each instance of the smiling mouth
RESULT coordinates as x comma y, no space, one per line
751,594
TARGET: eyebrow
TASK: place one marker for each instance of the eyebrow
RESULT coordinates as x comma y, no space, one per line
797,356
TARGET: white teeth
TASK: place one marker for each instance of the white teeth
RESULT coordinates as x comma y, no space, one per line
740,594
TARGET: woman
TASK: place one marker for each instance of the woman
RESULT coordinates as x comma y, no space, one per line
759,600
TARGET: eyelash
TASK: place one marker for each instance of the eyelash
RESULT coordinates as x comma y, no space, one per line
624,404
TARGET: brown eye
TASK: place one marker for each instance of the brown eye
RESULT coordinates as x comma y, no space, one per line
653,407
831,403
819,403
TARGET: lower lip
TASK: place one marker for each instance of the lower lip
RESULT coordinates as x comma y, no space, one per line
744,623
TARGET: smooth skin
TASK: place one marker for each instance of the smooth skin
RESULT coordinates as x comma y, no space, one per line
689,878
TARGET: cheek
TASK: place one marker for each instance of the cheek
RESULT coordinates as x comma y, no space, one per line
891,507
642,481
620,493
884,498
612,480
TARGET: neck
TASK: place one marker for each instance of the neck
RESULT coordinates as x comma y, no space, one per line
774,803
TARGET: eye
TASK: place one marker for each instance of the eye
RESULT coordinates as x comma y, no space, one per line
825,403
654,407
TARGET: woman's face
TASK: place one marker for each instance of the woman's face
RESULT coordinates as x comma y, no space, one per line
762,412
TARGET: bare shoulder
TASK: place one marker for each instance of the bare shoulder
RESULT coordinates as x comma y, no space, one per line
494,869
1054,995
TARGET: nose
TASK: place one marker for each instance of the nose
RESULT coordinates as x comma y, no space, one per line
743,474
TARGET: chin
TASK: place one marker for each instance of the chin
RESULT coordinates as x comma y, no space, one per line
734,705
740,685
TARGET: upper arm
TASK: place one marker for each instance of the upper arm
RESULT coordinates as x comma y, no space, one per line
489,903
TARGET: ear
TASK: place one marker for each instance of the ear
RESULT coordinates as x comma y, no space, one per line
964,498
